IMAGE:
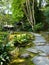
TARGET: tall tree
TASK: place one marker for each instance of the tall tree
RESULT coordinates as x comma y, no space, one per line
29,11
28,7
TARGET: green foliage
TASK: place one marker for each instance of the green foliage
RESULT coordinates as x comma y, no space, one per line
4,55
23,39
27,26
5,18
10,46
17,11
38,11
38,27
3,36
5,49
23,25
46,13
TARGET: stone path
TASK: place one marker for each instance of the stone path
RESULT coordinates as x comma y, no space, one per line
43,57
39,40
39,60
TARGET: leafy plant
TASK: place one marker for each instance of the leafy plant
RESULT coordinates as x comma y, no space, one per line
22,40
38,27
5,56
46,14
17,11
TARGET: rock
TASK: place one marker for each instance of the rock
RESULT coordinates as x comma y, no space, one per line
39,40
26,55
37,35
39,60
39,43
44,49
43,54
32,50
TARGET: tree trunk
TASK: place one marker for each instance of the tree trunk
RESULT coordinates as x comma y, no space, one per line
29,12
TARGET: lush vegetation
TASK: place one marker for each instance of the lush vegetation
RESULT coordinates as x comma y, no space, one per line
25,15
12,41
19,19
21,39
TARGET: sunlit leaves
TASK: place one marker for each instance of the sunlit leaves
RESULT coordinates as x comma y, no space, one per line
17,9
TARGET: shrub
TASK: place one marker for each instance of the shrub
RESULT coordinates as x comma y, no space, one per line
21,39
3,37
5,56
38,27
46,14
